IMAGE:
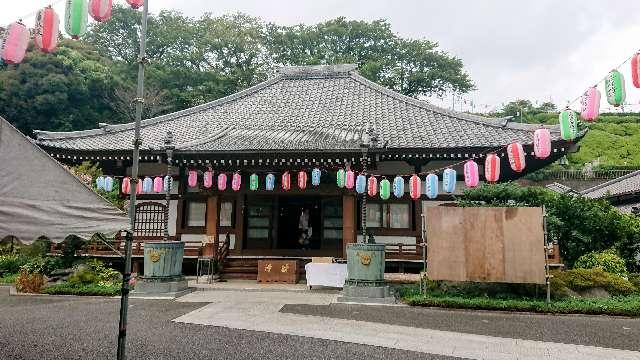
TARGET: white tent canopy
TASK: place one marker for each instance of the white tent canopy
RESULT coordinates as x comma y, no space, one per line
39,197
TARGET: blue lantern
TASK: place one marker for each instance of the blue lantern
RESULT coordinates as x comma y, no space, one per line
431,186
147,185
100,182
108,184
167,182
361,184
270,182
449,181
315,177
398,187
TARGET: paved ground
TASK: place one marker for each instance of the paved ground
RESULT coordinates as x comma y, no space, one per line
86,328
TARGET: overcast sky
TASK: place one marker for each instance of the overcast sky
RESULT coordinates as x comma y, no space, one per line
540,50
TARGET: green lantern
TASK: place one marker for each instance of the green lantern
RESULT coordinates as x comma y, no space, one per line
76,15
614,86
385,189
253,182
568,125
340,178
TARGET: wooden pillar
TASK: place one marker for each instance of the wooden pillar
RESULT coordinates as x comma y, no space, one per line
212,226
348,222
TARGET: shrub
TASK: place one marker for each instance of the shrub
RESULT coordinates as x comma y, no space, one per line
8,278
12,263
30,282
635,280
39,248
608,261
104,274
82,290
584,279
42,265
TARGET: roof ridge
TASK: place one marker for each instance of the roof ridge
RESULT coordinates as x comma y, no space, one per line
610,182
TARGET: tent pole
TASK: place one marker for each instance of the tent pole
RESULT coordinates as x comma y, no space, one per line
139,100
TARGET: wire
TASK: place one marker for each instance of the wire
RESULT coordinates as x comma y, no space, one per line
33,13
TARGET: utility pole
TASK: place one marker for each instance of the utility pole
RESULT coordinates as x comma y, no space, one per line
139,101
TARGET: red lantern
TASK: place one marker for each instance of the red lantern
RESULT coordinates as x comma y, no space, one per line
136,4
350,179
515,152
192,179
46,31
492,168
302,180
372,186
126,185
100,10
139,187
236,181
13,45
635,69
415,186
207,179
286,181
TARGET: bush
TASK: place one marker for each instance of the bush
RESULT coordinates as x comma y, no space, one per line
8,278
12,263
30,282
584,279
82,290
608,261
42,265
634,279
104,274
39,248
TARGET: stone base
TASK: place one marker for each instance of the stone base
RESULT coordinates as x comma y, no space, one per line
367,295
164,288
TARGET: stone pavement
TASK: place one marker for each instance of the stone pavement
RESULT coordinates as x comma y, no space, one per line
260,311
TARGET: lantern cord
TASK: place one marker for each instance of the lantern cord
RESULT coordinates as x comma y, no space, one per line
33,13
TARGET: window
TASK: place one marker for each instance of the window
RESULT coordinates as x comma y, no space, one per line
196,214
226,214
389,215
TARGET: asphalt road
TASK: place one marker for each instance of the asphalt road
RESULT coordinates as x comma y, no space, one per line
86,328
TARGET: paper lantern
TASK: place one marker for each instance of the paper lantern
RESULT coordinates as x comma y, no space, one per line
415,185
100,183
385,189
542,143
14,43
590,102
614,86
147,185
270,182
431,186
361,184
449,181
516,156
471,174
340,178
108,184
100,10
568,125
158,184
372,186
139,188
76,17
635,70
398,187
46,30
236,181
350,179
168,183
192,179
286,181
316,175
126,185
207,179
135,4
492,168
222,182
253,182
302,180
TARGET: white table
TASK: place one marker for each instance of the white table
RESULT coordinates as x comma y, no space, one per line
321,274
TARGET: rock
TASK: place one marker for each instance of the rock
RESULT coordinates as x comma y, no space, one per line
596,292
61,272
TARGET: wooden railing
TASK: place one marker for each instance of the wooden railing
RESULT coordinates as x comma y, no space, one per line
403,251
115,248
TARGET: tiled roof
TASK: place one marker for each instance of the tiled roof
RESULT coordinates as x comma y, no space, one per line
629,208
560,188
306,108
627,184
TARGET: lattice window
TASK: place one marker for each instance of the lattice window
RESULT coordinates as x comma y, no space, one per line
150,220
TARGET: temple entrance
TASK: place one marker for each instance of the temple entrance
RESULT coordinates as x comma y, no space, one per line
299,222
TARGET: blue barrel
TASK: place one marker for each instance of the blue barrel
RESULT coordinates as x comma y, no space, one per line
163,259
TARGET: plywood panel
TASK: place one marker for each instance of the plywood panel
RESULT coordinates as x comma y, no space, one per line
524,259
445,244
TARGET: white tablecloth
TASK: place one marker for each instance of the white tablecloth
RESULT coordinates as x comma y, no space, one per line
320,274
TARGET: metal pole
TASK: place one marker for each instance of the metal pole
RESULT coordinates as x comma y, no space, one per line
546,255
364,198
124,302
424,256
168,145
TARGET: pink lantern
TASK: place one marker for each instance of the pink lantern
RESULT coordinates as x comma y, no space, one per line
222,182
139,189
542,143
236,181
286,181
136,4
100,10
415,187
372,186
350,180
192,180
591,104
46,31
492,168
14,43
635,69
126,185
207,179
471,174
515,152
158,184
302,180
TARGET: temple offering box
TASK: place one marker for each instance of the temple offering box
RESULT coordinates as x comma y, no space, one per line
278,271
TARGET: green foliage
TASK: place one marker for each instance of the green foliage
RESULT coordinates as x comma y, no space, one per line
88,172
9,278
634,279
40,247
608,261
579,225
42,265
12,263
584,279
104,275
82,290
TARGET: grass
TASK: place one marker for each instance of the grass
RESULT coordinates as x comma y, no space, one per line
9,278
619,305
82,290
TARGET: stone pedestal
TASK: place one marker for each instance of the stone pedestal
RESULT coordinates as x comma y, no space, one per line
365,282
162,271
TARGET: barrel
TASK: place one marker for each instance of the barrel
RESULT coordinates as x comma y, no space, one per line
365,263
163,259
